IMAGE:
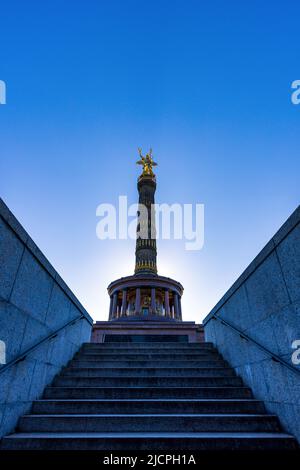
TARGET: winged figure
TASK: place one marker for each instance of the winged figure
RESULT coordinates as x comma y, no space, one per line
147,162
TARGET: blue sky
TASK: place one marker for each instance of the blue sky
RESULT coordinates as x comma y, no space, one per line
206,84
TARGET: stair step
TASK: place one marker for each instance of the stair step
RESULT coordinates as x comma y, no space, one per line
99,356
161,350
136,363
141,350
150,441
147,392
148,372
121,345
132,381
147,406
149,423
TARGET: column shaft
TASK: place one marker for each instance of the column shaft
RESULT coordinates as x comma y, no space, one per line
167,304
124,303
153,304
110,308
180,312
176,305
173,312
114,305
138,301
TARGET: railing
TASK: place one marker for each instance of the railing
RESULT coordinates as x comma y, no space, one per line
52,335
273,356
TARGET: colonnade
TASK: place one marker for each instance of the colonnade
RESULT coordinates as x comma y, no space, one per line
171,304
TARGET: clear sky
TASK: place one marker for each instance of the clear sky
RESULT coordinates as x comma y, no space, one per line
206,84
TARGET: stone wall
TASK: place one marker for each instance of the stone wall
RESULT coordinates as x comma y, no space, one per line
34,301
146,328
264,303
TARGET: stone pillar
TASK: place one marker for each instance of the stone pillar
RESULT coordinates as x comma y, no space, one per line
110,308
172,311
176,305
138,301
114,305
153,304
167,304
180,312
124,303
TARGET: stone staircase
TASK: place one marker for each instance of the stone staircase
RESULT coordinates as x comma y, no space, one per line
148,396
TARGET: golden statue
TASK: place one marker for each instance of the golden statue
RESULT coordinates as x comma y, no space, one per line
147,163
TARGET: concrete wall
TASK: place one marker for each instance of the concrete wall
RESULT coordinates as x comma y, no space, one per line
265,304
34,301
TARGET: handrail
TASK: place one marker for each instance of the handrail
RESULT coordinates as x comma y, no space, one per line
52,335
273,356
